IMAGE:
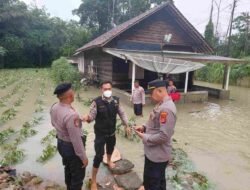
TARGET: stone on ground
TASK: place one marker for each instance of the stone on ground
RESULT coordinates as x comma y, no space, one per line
122,167
129,181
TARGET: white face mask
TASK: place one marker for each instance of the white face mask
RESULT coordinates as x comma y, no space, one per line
107,93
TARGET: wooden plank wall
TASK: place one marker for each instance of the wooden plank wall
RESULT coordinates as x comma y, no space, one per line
153,30
102,61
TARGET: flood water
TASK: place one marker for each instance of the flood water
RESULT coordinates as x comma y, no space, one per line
215,134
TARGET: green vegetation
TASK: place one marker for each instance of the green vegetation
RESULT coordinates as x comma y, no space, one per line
239,48
48,139
5,134
87,102
18,102
50,150
11,139
120,130
36,120
48,153
102,16
30,37
214,73
181,173
2,51
10,153
13,155
62,71
8,114
27,131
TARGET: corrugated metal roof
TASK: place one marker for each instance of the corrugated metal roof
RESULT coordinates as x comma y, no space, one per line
185,56
156,62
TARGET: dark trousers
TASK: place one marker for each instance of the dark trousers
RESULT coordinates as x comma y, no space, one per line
138,109
100,141
73,166
154,177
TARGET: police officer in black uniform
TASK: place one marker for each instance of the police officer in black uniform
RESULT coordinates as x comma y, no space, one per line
104,110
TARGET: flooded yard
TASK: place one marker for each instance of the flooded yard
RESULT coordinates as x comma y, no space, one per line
215,134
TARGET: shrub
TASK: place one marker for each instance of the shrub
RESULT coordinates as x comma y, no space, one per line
63,71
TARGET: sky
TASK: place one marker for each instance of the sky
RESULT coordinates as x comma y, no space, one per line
196,11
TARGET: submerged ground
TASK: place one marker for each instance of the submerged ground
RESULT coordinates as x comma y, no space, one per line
215,134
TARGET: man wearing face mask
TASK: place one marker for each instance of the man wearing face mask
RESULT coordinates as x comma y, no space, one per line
70,143
156,136
104,110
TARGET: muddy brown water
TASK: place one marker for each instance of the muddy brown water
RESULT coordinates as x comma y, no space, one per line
215,134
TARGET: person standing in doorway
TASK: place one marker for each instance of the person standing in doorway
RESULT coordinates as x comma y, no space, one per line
138,99
104,110
156,136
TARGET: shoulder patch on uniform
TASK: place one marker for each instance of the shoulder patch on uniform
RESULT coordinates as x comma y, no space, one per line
163,117
77,122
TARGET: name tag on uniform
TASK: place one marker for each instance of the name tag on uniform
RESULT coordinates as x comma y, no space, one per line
163,117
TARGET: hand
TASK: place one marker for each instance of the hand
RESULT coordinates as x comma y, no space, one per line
127,131
139,134
85,162
85,118
139,128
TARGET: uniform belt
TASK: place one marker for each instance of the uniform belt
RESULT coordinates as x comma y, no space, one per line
64,142
110,135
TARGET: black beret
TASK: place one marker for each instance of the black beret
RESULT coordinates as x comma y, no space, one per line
61,88
156,84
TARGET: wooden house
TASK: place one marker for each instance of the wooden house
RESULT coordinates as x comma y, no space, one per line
154,44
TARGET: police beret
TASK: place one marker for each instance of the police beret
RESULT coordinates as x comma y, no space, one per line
61,88
156,84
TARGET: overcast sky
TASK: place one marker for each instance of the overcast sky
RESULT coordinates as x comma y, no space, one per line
196,11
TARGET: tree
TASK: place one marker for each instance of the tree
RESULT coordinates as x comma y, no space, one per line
34,39
2,51
76,36
209,33
100,16
242,38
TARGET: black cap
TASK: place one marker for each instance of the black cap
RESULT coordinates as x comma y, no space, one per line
156,84
62,88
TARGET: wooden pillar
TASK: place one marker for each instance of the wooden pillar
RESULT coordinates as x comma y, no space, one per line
133,77
186,83
228,76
